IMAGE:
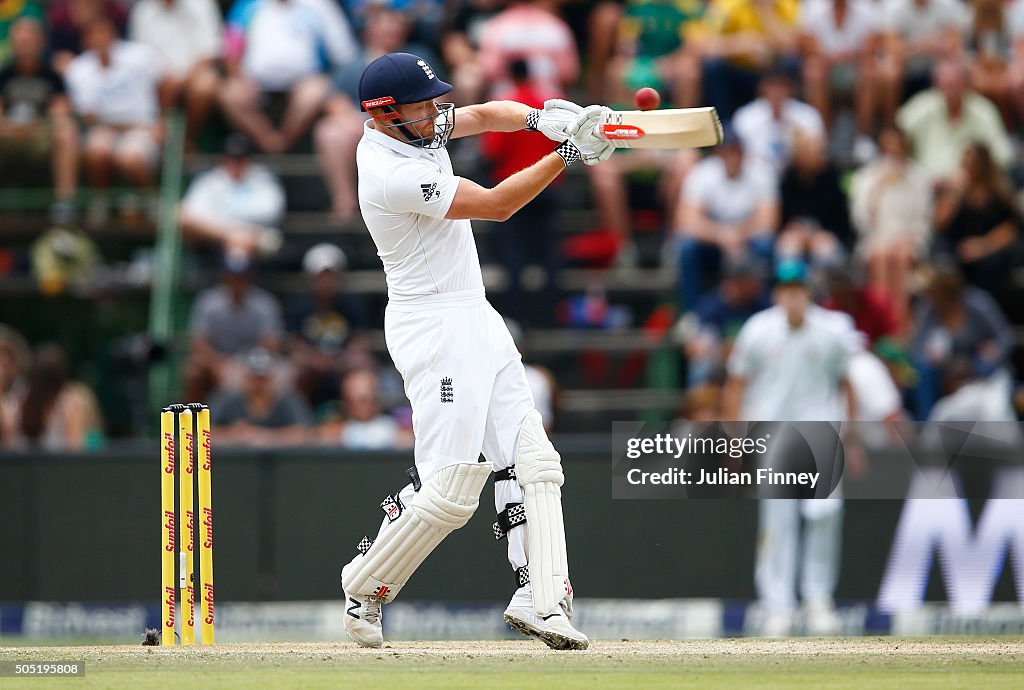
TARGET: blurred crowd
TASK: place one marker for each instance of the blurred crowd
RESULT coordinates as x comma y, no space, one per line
876,141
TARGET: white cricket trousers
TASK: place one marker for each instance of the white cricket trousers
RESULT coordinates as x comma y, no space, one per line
468,389
780,549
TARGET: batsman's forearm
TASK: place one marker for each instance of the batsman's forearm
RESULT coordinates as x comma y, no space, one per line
519,189
493,116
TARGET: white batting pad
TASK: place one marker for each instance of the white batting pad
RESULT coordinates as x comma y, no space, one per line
445,503
539,472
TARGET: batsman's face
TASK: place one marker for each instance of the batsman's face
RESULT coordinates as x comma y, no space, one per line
424,111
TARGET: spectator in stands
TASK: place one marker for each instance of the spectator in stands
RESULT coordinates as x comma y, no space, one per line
990,53
966,395
602,34
35,115
327,325
702,403
943,121
10,12
227,320
114,88
238,204
529,30
275,49
259,413
891,209
918,35
56,413
977,221
708,330
68,20
769,125
363,426
815,221
1015,20
986,401
14,360
839,40
532,31
729,208
459,45
336,135
531,235
745,38
655,49
870,308
424,16
956,321
187,36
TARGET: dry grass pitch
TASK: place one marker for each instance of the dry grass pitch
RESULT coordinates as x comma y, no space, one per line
742,663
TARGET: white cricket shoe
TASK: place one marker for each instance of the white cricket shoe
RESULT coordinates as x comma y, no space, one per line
822,620
554,630
777,624
362,619
524,598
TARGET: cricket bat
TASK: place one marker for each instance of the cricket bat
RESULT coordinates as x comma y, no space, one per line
679,128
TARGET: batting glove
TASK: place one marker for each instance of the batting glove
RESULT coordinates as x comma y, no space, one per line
583,133
555,119
590,152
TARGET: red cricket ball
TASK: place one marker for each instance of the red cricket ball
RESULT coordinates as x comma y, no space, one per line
647,98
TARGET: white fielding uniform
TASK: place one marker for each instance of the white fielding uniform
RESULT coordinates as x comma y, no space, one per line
462,371
795,375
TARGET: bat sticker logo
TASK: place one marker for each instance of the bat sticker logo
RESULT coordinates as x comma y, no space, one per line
614,132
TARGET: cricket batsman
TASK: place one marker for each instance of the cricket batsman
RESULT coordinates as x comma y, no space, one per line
462,372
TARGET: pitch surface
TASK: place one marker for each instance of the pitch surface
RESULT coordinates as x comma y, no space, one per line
819,663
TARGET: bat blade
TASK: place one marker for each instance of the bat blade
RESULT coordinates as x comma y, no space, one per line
678,128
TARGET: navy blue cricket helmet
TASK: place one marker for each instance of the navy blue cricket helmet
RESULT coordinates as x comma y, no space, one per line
400,79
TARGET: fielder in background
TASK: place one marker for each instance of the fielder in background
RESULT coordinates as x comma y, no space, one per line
462,372
790,363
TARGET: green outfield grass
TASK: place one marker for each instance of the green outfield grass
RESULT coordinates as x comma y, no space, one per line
929,663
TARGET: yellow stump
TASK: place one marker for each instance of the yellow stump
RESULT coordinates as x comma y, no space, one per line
186,511
204,464
167,526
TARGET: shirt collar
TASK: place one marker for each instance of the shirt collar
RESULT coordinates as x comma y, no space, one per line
395,145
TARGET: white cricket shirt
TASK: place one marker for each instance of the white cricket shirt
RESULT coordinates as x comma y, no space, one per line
791,374
404,194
